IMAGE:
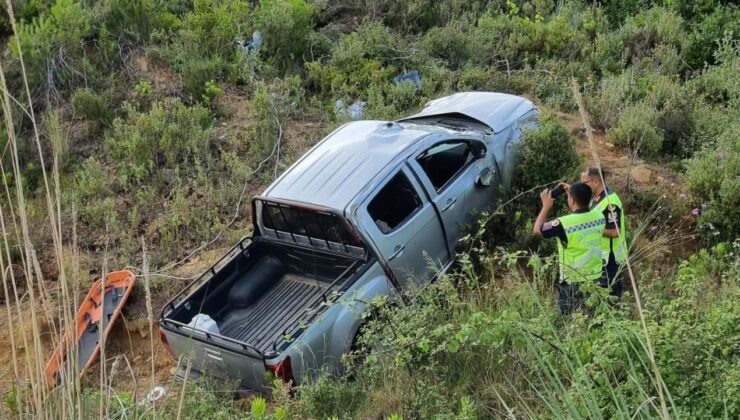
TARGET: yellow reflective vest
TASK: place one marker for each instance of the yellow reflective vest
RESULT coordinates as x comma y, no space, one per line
580,258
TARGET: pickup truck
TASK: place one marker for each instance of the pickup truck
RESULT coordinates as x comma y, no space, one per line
375,209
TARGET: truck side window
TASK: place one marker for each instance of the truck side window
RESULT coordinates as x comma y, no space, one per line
445,160
394,203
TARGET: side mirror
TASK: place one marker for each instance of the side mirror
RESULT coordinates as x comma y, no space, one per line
478,148
484,178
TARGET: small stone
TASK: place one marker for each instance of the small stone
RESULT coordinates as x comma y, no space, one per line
642,174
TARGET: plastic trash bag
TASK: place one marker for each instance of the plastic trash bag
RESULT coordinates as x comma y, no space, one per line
204,322
252,44
410,76
354,112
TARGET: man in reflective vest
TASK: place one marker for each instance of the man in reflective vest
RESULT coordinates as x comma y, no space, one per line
613,243
579,238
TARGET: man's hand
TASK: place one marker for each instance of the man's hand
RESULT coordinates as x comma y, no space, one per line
546,198
565,186
547,202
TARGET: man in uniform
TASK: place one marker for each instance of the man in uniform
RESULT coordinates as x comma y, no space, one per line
579,237
613,248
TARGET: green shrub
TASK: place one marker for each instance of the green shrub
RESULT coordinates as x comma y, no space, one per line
91,106
212,26
129,19
478,78
617,11
545,155
452,44
613,94
675,105
169,136
637,40
205,48
719,84
637,129
708,32
285,25
60,31
713,176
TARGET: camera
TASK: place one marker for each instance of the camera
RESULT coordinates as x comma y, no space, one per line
557,191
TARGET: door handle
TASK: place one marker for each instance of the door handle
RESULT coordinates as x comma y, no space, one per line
397,251
450,203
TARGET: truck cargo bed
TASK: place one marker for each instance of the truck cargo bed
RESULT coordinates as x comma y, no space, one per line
264,322
267,293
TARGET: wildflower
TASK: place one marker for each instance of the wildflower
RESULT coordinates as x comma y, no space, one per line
695,211
653,228
682,196
703,206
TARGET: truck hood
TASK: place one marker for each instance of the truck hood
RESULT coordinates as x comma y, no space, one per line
496,111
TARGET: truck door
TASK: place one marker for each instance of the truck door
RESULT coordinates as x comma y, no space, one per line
450,171
405,229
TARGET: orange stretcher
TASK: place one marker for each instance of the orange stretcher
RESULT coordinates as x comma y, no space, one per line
97,312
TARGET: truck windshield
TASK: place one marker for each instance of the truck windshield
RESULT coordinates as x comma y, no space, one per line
285,220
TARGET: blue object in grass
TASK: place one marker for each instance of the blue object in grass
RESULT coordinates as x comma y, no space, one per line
411,76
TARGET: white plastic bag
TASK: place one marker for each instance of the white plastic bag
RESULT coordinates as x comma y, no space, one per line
204,322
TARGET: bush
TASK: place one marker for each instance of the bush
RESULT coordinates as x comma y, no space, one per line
713,176
708,32
545,155
58,32
170,136
129,19
91,106
212,26
614,93
675,105
452,44
637,40
285,25
205,49
637,130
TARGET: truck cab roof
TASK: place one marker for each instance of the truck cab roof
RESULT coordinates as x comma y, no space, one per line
340,167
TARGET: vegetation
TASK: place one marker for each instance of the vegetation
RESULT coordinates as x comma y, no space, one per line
134,132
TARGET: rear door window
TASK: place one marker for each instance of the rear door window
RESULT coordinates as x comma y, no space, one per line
445,160
394,204
305,222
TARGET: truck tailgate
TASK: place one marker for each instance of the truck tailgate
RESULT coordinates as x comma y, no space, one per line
217,356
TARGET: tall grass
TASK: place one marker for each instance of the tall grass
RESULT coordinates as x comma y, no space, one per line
34,395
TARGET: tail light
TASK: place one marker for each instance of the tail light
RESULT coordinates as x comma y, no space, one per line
283,370
166,344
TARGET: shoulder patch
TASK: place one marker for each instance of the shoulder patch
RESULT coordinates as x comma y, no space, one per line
612,207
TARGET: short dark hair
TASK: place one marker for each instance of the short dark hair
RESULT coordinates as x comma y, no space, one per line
593,172
581,194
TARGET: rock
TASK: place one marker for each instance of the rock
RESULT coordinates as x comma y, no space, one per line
140,326
641,174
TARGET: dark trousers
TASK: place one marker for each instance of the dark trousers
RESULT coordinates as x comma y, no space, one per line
611,277
570,298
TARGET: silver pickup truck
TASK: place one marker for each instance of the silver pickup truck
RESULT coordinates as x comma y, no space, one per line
375,209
